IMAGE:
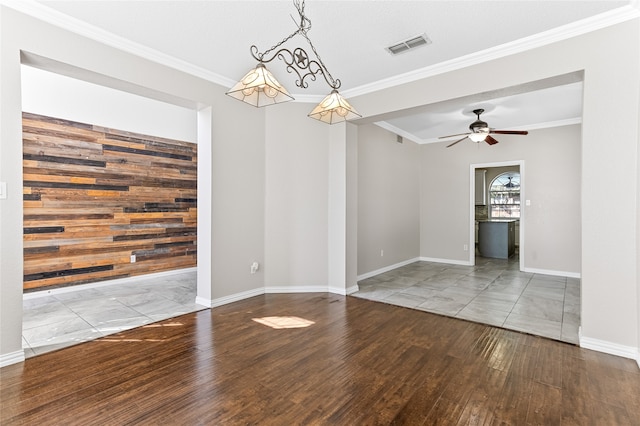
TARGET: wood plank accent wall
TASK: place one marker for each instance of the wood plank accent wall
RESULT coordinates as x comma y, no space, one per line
94,196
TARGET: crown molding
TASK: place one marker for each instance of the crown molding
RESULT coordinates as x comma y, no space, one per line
400,132
549,124
76,26
603,20
577,28
536,126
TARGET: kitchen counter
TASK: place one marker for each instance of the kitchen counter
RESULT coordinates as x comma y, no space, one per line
496,238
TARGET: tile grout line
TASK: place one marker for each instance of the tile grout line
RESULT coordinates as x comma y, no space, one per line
519,297
455,270
179,283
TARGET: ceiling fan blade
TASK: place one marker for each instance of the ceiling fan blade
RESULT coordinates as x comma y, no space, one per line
509,132
459,134
490,140
459,140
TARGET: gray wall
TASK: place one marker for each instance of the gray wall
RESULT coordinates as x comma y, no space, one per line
231,163
237,161
237,195
406,191
388,199
551,178
296,209
310,209
609,238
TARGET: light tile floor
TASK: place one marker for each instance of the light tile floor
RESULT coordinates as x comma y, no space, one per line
51,322
492,292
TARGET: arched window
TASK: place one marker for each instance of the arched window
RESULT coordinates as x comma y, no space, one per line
504,194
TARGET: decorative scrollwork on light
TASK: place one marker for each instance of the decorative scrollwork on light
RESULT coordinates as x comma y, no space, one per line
260,88
298,62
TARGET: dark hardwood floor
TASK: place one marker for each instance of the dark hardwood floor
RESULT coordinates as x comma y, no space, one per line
359,363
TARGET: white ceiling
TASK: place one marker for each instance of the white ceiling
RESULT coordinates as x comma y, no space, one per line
212,39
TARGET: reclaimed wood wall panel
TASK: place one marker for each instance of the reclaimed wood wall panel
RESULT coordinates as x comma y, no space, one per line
94,196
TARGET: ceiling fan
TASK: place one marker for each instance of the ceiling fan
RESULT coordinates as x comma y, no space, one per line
480,131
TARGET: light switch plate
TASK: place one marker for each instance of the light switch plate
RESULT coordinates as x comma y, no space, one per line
3,190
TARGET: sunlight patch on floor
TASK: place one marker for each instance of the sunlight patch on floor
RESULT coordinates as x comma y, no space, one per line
284,322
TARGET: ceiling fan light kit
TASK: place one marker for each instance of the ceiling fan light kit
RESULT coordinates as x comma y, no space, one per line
260,88
480,131
478,137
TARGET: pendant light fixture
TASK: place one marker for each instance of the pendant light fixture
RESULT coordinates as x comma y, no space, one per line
260,88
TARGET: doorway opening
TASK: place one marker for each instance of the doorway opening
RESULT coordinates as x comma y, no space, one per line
481,177
156,234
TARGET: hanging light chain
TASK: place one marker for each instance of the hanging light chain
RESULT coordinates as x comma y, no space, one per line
303,27
260,56
334,83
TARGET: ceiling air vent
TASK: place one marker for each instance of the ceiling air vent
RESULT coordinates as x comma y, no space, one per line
409,44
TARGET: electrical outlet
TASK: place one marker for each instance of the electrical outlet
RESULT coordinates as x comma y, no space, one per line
133,258
381,253
466,247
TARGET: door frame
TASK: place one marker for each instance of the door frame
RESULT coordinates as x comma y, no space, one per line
472,206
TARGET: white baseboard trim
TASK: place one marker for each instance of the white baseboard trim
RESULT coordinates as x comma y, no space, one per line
311,289
69,289
272,290
12,358
386,269
551,272
297,289
353,289
449,261
609,348
231,298
343,291
204,302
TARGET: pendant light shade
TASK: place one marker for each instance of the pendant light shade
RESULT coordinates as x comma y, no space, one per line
260,88
334,109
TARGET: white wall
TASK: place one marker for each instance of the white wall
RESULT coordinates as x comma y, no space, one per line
638,239
388,199
552,183
609,148
59,96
